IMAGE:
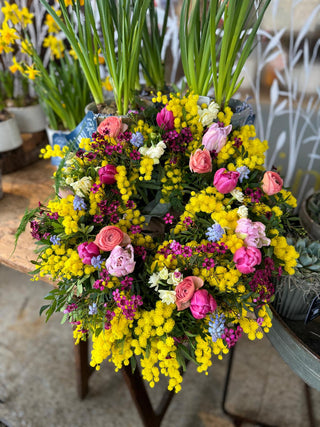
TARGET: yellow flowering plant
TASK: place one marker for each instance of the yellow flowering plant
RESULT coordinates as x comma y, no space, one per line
14,90
164,237
60,84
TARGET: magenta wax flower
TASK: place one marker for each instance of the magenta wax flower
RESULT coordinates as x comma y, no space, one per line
165,119
87,250
121,261
107,173
216,137
225,181
202,303
246,259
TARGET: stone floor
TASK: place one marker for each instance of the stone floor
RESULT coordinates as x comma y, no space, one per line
38,386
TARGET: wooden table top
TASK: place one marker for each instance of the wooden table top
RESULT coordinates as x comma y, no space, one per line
22,189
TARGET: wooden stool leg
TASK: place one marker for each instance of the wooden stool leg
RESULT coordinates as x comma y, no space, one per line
83,369
140,397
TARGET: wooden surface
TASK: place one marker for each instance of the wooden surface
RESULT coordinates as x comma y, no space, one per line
21,190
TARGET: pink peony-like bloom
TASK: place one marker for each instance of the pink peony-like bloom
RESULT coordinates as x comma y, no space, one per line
271,183
252,233
202,303
216,137
246,258
185,291
165,119
111,236
87,250
200,161
107,173
225,181
121,261
112,126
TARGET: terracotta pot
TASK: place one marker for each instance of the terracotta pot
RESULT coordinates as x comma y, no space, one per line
10,137
312,227
30,119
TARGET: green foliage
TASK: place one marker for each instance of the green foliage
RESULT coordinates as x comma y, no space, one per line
79,35
152,38
313,207
125,19
212,53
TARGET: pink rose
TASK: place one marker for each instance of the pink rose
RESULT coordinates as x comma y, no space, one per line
225,181
107,173
246,259
88,250
185,291
252,233
202,303
111,236
165,119
112,126
216,137
271,183
121,261
200,161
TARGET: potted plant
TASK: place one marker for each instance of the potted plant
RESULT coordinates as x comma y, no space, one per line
121,27
10,137
309,214
216,39
294,294
15,87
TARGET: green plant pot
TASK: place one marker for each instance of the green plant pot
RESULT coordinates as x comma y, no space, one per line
292,300
307,222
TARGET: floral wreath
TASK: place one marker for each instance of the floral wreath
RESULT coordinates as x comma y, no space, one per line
165,236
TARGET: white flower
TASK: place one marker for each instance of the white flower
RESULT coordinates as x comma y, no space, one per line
69,180
82,187
154,281
242,212
154,152
237,194
167,297
208,115
175,278
163,274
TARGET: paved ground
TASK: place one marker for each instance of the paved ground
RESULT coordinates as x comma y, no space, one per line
38,387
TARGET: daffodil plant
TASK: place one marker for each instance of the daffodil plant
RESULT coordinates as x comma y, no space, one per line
152,44
78,32
122,24
216,39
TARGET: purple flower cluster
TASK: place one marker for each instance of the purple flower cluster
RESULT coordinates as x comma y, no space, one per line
208,263
135,229
262,283
70,308
140,251
35,230
109,316
178,142
128,305
104,278
255,195
126,283
231,336
212,248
